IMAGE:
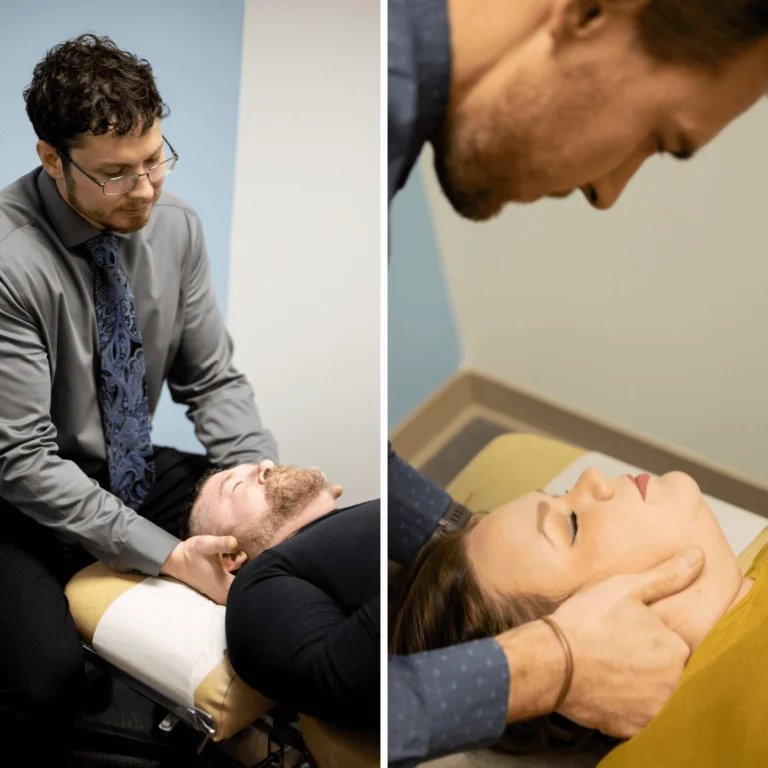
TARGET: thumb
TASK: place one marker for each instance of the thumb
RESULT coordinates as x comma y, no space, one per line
217,545
669,577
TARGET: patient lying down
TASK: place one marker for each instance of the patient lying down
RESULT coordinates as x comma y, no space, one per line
520,561
302,615
259,504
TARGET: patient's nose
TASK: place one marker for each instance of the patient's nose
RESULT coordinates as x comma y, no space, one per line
592,483
262,469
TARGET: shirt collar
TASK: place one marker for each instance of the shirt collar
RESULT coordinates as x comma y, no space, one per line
432,51
70,226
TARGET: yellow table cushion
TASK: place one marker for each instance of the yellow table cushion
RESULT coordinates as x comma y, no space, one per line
510,466
334,747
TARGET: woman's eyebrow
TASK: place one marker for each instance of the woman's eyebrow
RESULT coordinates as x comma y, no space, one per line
542,510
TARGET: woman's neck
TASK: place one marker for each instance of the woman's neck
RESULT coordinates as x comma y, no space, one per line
693,612
746,585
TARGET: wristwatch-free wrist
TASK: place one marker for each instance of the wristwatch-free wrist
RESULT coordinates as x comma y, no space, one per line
455,518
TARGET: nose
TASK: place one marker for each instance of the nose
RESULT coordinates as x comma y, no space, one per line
261,469
604,193
143,190
593,486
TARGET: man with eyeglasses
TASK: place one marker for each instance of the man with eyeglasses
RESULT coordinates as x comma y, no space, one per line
105,294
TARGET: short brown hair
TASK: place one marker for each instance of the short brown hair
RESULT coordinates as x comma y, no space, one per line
703,33
196,520
89,84
438,601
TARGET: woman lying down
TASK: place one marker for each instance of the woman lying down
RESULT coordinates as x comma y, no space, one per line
519,562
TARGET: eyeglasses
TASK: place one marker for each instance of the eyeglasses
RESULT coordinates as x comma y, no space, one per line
122,184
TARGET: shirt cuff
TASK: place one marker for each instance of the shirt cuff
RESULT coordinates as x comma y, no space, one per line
147,548
465,691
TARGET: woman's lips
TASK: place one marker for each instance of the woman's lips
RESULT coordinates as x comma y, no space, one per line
642,484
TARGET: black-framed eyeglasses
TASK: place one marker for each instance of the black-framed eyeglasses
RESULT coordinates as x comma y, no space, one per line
122,184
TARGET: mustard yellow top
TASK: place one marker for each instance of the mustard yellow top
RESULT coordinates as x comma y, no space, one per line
718,715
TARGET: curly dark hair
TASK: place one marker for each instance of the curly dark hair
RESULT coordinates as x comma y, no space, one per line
437,601
89,84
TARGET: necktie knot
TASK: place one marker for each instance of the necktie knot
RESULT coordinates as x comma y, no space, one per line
103,249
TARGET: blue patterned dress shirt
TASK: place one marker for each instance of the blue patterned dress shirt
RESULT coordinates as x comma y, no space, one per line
452,699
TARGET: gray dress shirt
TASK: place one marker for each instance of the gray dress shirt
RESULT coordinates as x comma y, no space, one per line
52,450
455,698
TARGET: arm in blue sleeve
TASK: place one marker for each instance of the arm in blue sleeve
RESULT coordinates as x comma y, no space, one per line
446,701
416,506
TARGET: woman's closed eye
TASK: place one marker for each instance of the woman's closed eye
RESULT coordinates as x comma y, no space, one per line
574,525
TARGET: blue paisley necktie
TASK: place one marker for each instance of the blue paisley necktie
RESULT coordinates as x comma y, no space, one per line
122,382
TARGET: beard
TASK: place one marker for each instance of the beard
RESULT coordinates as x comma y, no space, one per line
528,143
461,167
102,218
288,492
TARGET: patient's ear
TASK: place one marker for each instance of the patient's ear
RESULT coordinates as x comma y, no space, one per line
235,561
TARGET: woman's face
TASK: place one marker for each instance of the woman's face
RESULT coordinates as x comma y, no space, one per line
556,545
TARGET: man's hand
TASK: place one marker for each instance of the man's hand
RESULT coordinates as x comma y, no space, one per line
626,661
199,562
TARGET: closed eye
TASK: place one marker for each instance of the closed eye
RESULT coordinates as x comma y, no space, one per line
574,525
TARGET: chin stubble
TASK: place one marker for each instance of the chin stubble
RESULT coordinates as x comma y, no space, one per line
459,168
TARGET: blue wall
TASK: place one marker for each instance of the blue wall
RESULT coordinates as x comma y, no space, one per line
194,48
423,345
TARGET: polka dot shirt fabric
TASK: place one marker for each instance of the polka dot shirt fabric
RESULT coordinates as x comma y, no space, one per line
416,506
446,701
456,698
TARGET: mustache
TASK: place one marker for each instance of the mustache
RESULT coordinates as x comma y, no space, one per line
288,490
139,208
143,205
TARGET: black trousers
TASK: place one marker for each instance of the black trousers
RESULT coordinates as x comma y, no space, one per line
41,659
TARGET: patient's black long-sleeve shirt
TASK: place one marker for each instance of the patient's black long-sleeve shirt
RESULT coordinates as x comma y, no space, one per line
303,619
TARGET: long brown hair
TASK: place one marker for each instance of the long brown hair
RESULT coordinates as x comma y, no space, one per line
437,601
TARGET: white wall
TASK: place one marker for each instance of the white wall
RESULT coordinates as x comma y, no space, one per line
653,315
304,273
